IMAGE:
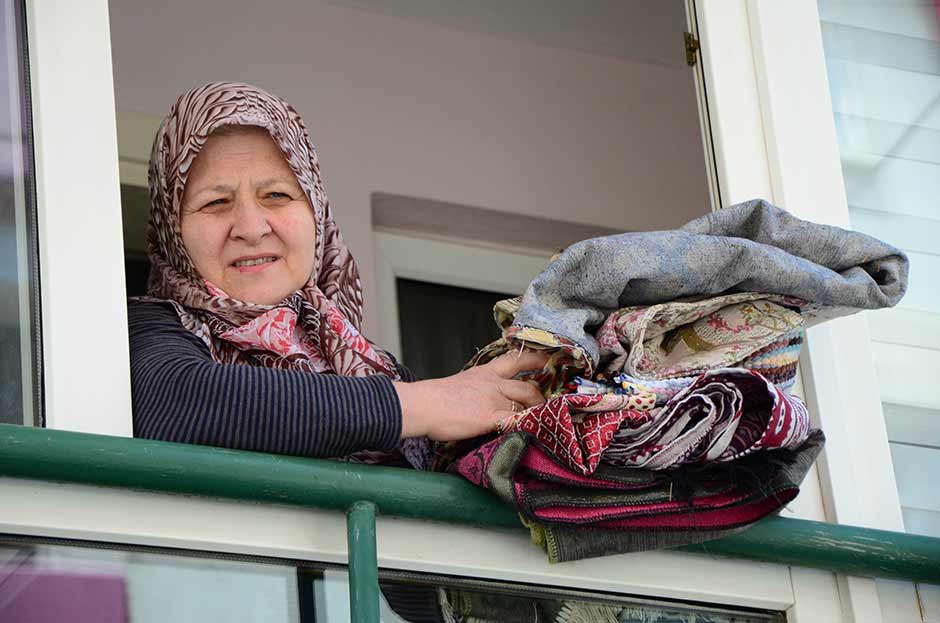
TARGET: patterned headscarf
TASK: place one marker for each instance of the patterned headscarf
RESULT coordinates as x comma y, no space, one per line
316,328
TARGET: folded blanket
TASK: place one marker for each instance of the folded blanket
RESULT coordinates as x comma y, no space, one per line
749,247
722,416
577,428
633,509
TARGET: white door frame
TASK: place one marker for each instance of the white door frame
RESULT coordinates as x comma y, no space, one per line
443,262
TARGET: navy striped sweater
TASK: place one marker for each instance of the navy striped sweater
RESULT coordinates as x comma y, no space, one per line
180,394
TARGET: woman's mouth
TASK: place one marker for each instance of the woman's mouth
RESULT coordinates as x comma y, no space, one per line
254,264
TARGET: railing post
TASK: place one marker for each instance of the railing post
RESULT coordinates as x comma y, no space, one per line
363,563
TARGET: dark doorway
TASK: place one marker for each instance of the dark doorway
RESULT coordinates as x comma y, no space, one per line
442,327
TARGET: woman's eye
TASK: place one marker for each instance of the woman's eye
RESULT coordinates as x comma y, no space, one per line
215,202
278,195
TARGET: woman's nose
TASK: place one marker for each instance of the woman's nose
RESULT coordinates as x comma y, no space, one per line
250,221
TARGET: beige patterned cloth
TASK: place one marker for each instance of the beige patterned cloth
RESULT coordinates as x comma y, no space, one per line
686,338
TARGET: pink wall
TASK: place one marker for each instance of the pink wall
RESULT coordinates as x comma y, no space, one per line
414,109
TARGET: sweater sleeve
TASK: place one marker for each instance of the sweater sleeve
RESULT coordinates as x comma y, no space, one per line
180,394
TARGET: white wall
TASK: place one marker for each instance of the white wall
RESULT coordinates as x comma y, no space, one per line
404,107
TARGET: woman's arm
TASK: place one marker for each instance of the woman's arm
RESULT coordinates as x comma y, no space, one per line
180,394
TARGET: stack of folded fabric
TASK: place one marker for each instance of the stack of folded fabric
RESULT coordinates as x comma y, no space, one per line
667,420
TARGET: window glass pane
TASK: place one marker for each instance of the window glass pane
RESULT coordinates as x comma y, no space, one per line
408,597
44,582
883,61
19,333
47,583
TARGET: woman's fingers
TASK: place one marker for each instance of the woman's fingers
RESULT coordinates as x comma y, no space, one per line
512,363
522,392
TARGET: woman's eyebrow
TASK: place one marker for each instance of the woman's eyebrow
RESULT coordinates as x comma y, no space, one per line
218,188
271,181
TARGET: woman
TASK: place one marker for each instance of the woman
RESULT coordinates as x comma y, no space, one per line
249,337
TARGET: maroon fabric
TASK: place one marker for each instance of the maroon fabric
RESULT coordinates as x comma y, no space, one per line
711,497
712,519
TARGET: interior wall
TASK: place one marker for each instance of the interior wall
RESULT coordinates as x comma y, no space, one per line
403,107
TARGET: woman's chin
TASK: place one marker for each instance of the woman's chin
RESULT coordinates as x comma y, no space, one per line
264,295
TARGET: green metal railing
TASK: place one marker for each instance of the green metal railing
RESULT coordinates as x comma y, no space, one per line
363,490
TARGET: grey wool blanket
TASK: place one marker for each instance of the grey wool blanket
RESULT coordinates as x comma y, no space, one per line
748,247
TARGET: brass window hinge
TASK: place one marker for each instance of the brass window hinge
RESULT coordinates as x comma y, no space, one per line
691,48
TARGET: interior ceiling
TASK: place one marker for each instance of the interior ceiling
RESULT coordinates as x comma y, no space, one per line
637,30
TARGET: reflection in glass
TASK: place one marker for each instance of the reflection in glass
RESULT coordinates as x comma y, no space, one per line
18,283
52,583
46,583
417,598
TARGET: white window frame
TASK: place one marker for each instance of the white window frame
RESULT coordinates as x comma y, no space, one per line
151,519
84,316
775,138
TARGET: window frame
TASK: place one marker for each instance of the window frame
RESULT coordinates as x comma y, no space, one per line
761,149
26,241
445,262
84,315
192,523
775,137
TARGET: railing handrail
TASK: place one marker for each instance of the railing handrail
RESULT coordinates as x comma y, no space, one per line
122,462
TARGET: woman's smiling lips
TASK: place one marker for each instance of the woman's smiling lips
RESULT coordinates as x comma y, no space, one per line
254,263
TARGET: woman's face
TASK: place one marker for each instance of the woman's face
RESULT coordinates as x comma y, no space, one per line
245,220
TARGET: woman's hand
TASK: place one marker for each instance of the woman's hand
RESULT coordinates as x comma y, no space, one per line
469,403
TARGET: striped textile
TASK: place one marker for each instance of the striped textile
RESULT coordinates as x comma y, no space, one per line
180,394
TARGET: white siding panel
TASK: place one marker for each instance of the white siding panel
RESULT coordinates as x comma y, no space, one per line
923,289
910,233
876,47
902,17
886,137
912,425
893,185
908,375
914,467
884,93
905,326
